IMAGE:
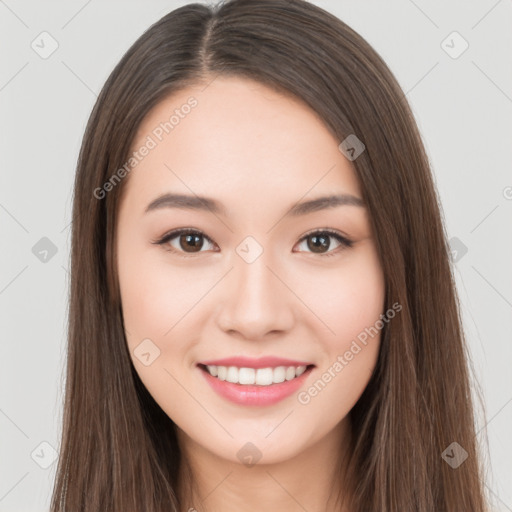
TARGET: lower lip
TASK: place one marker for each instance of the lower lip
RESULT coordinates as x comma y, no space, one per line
243,394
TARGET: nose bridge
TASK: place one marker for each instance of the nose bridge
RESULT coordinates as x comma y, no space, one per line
254,280
256,302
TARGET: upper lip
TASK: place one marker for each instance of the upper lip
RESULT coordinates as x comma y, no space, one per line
248,362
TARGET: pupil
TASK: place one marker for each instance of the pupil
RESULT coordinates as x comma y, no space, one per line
194,241
318,242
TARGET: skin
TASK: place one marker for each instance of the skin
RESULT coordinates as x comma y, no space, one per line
257,152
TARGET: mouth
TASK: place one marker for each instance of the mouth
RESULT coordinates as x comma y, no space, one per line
261,387
263,377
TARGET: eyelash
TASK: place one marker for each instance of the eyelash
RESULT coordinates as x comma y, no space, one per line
345,243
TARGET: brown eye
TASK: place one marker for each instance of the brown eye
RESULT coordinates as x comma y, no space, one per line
185,241
191,243
320,242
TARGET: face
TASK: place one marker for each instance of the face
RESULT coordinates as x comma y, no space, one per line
224,253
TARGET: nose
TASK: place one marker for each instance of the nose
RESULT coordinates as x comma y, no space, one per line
256,303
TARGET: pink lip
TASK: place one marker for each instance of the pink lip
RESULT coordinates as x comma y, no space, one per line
248,362
253,394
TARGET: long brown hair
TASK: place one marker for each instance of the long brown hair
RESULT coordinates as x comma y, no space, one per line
119,451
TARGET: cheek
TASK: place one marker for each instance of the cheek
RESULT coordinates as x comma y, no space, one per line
156,301
156,296
346,300
351,302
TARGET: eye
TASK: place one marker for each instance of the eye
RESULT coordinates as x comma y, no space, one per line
188,241
319,242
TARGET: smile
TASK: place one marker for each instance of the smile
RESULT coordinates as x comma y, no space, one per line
259,376
255,386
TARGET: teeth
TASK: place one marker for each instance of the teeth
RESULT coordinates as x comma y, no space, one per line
300,371
260,376
221,372
232,375
264,376
246,376
290,373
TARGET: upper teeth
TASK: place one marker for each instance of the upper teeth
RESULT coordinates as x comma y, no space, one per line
260,376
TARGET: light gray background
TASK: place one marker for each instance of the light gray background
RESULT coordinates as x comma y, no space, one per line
463,107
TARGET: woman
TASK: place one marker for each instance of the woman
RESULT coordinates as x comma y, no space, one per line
262,311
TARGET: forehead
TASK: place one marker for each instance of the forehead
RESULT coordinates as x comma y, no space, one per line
240,141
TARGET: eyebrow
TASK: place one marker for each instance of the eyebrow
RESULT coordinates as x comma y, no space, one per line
202,203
